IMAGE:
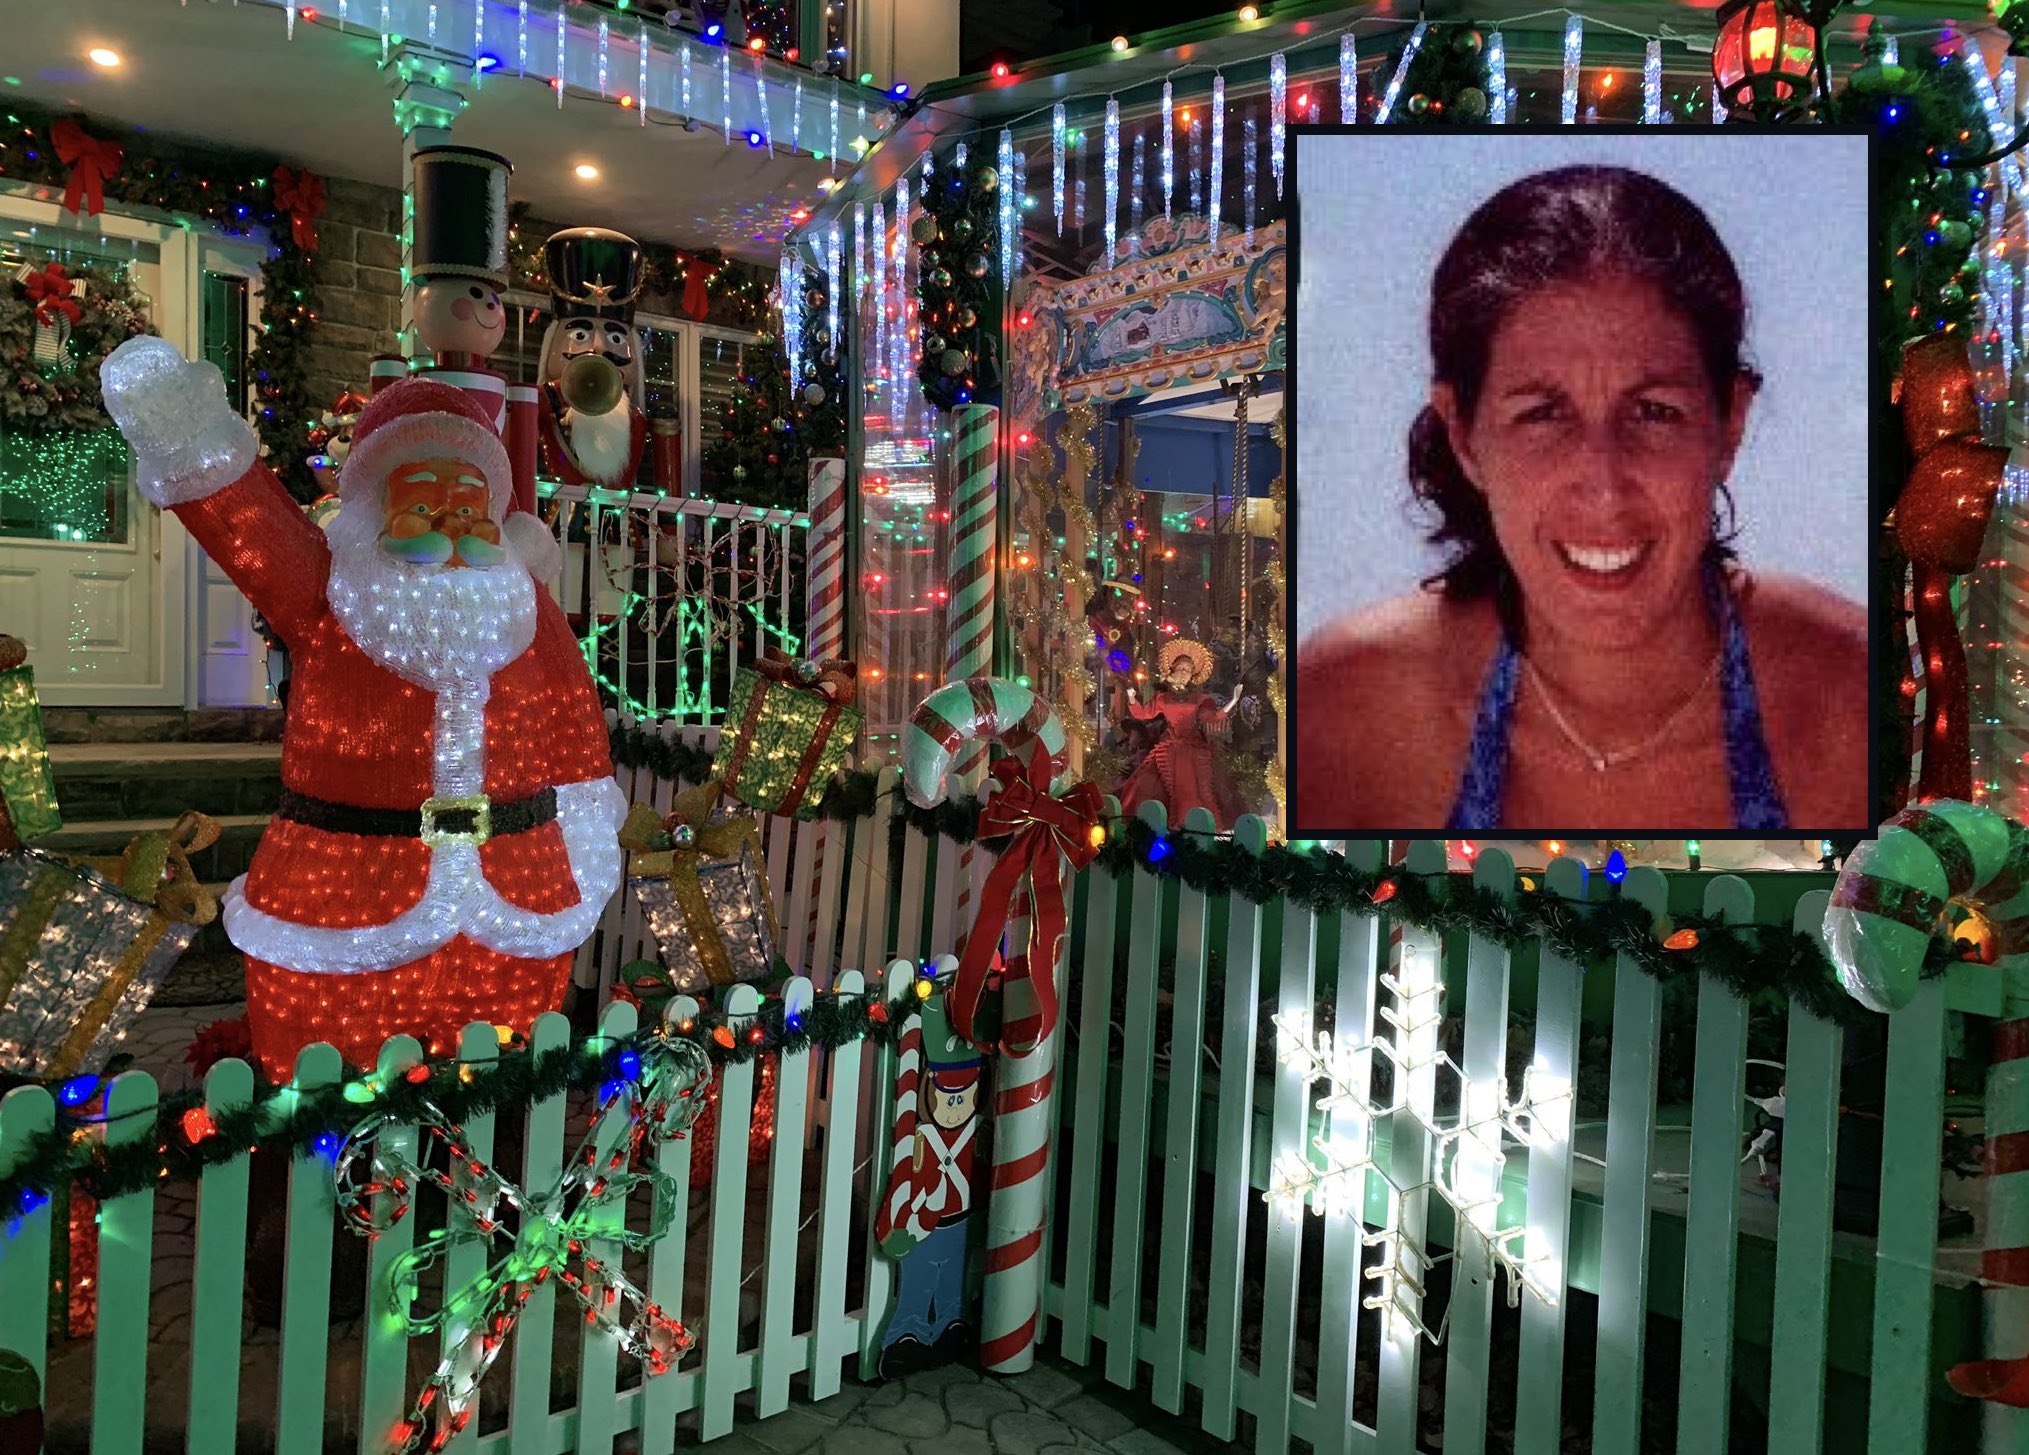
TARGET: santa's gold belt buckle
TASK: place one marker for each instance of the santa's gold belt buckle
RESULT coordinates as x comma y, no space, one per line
477,806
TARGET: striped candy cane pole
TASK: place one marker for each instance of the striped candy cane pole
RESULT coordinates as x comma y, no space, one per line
974,521
1011,1322
825,616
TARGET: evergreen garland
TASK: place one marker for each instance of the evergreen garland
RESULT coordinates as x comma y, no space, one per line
958,293
1745,958
313,1121
235,191
1446,81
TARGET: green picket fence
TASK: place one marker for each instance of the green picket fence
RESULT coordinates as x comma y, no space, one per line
1166,1265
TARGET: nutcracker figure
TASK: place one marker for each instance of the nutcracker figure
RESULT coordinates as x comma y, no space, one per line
594,428
923,1218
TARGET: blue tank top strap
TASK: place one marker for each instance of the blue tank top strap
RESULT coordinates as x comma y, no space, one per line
1478,807
1757,801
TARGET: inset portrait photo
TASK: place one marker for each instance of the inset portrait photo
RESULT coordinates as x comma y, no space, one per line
1580,482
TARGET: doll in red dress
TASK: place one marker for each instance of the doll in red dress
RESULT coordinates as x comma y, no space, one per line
1180,771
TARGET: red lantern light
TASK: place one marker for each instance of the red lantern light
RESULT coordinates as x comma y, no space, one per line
1762,58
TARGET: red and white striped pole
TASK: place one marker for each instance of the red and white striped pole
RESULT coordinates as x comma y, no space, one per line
824,621
1012,1321
974,556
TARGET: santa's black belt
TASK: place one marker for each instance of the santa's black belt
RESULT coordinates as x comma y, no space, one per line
469,819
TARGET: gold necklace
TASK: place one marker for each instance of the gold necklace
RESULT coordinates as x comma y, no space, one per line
1598,759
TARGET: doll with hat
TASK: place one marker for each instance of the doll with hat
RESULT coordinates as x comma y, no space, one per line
1181,771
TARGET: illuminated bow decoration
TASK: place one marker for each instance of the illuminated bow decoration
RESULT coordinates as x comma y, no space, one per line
1046,831
92,163
51,290
376,1181
673,848
300,195
838,681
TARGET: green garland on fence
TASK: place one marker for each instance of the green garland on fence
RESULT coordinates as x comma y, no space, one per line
318,1119
1744,958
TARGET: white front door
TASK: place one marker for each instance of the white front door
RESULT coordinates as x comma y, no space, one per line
91,575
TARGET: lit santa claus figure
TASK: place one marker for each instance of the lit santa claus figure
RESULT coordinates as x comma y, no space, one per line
594,427
447,834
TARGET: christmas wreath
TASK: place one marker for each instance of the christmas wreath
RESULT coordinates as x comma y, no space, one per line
57,324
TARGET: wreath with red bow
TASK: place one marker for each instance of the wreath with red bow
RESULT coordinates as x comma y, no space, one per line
95,309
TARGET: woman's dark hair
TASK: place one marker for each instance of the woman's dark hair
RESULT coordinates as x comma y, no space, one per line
1561,226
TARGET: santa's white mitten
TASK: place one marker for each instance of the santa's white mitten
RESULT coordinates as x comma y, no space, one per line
186,439
534,543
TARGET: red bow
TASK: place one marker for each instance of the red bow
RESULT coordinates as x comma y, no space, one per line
697,302
1047,831
91,161
49,291
301,196
838,681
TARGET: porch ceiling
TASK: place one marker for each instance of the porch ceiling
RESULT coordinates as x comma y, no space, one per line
229,74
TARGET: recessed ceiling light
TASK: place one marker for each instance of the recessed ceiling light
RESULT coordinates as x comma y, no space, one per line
587,171
101,56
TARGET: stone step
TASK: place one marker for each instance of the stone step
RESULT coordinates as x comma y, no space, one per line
225,860
162,724
146,780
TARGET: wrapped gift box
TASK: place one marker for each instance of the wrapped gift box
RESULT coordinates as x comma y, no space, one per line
787,732
703,887
25,783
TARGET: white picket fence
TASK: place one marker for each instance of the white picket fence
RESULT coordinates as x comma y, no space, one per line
1163,1250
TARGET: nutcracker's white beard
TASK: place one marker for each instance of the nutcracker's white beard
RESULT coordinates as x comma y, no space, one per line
601,443
439,627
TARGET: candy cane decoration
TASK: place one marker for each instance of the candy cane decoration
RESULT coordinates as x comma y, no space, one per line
991,709
826,615
974,527
1895,887
901,1200
981,709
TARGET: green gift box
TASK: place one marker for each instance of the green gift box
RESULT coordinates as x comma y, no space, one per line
788,729
24,757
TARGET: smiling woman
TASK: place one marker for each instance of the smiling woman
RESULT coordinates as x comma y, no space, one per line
1593,655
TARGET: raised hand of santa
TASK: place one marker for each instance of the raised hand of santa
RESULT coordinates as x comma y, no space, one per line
447,834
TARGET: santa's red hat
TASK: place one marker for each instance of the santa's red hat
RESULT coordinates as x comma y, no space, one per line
417,419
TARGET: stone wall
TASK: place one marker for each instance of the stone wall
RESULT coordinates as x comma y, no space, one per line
359,278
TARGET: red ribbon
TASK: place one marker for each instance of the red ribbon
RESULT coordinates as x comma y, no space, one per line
92,163
835,679
301,196
697,300
1047,831
49,291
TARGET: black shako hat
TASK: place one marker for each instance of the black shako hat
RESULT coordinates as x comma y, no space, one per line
460,223
594,273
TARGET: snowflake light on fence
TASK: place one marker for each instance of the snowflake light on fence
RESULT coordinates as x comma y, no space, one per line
1466,1156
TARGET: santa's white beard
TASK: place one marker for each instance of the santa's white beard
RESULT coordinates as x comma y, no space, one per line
601,443
440,627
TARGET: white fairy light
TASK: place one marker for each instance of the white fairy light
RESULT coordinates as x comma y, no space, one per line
684,51
831,156
1497,79
1197,162
1215,163
859,251
761,99
789,299
1134,195
1349,79
343,6
879,281
1057,163
796,118
1112,176
289,25
1574,42
1891,51
1652,84
603,36
430,24
859,136
832,281
1007,207
898,336
563,30
1278,117
1998,129
726,93
1022,201
1718,106
386,29
521,41
1409,50
1169,152
478,40
641,58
